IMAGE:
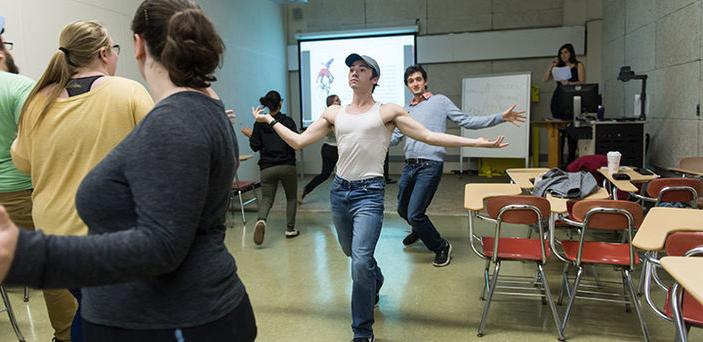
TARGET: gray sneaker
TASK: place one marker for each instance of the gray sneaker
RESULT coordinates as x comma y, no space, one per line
259,231
291,232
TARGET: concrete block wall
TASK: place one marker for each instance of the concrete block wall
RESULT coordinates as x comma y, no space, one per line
452,16
663,40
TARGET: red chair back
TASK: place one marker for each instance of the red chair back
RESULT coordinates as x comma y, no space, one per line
656,186
518,216
608,221
678,243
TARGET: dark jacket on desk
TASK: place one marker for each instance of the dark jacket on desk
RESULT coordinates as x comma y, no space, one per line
565,185
272,149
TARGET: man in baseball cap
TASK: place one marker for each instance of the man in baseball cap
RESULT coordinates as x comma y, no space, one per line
369,62
363,130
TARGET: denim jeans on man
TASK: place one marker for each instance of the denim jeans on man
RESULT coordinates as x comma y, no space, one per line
418,184
357,212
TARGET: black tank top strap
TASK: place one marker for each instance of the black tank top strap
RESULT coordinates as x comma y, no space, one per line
81,85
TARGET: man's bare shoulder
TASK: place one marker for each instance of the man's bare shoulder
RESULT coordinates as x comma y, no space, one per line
391,111
330,113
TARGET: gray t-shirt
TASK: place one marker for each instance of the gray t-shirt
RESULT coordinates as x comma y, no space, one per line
155,256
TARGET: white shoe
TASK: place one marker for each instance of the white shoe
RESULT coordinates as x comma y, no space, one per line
291,232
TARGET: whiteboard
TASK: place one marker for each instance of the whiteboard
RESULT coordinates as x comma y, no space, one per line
490,94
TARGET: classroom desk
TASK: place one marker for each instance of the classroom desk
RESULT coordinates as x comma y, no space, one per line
558,205
626,185
475,193
685,171
554,145
685,271
660,222
522,176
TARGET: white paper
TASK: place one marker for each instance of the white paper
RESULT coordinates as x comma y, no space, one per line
561,73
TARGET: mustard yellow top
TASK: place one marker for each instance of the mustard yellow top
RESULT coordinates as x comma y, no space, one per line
75,134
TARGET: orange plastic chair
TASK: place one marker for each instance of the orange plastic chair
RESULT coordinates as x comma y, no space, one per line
603,215
524,210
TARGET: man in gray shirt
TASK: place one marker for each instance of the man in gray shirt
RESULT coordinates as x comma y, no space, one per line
423,163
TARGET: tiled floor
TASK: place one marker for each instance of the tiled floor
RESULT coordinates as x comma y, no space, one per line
300,290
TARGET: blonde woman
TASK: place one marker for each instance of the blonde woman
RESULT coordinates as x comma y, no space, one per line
77,112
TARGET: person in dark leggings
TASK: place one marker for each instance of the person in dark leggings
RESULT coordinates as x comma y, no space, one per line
329,155
566,57
154,265
276,164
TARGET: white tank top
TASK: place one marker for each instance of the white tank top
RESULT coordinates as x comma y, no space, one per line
362,143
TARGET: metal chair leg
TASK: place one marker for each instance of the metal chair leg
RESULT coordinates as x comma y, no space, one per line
487,305
640,285
550,301
26,294
596,278
11,314
681,328
636,304
625,296
241,206
564,285
540,280
572,297
485,279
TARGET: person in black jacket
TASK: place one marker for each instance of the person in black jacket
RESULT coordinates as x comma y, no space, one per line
277,164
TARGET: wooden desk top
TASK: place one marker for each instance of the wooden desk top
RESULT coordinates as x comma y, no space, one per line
690,172
558,205
243,157
522,177
659,222
686,271
626,185
475,193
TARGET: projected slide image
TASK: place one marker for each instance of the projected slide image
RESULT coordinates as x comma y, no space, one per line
325,78
323,71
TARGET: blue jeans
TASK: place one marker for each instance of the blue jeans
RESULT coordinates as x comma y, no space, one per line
357,212
417,186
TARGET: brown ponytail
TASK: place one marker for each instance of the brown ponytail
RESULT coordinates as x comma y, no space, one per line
180,37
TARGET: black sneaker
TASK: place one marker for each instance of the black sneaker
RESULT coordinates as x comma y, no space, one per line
411,239
364,339
259,231
443,257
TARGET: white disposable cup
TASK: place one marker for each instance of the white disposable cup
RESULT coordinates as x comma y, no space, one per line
613,162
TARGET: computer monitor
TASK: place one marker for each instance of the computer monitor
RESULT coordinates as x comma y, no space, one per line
590,99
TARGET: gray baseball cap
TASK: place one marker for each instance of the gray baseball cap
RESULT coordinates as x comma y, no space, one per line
368,60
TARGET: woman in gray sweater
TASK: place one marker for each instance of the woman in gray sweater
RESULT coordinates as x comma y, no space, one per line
154,266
